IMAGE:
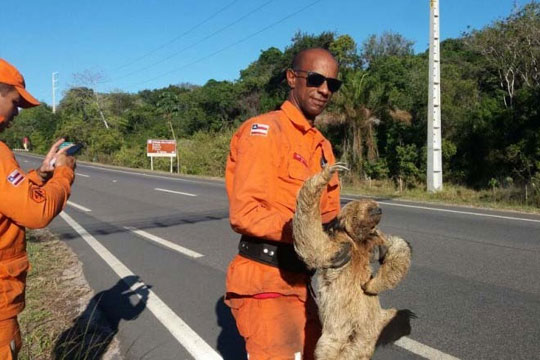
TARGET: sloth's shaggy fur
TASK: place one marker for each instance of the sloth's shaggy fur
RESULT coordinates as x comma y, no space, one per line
349,308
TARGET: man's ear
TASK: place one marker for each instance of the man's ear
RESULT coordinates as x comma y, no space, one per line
291,78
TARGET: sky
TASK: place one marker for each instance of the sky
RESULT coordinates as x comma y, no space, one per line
133,45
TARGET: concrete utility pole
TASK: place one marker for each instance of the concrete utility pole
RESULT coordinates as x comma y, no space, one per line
54,80
434,142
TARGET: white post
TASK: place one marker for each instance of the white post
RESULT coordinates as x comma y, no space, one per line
171,164
152,163
54,92
434,143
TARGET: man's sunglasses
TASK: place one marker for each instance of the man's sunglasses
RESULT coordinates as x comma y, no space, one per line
316,80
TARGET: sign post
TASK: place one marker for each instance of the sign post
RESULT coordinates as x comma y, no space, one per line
160,148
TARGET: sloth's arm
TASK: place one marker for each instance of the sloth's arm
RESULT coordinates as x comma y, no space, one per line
395,266
310,240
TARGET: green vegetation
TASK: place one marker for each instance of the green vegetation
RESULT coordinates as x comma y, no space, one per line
377,122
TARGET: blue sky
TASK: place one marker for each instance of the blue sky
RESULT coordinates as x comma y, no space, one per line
112,36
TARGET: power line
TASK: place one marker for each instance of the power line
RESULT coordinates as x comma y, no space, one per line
193,44
233,44
178,37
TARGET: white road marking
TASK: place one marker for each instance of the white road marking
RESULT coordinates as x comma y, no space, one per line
149,175
174,192
77,206
423,350
83,175
453,211
188,338
166,243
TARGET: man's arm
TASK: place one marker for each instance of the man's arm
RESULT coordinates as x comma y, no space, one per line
26,202
251,176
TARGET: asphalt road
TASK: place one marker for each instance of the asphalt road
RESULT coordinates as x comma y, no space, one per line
474,283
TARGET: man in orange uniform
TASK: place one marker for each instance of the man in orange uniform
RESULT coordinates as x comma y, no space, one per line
26,200
271,156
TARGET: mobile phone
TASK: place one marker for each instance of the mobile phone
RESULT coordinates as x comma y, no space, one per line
65,144
75,149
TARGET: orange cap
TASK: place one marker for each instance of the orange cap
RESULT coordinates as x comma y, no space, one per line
11,76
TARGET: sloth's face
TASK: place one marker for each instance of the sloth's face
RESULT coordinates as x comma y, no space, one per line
359,218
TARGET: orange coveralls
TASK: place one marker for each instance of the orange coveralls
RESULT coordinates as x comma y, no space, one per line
24,202
270,157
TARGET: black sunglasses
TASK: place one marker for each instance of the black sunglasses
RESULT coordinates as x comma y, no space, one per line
316,80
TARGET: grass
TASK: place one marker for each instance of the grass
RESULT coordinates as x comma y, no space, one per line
55,293
511,198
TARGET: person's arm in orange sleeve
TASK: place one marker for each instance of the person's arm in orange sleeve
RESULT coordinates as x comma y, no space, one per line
24,201
254,162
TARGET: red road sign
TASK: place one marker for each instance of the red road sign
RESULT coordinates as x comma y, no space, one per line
165,148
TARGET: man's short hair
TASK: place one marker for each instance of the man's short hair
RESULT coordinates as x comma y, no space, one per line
5,88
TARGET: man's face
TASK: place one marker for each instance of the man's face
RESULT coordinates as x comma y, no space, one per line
312,100
9,108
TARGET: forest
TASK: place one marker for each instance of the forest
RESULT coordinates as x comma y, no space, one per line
490,93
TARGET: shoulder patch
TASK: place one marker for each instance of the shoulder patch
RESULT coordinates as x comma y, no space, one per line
38,194
15,178
259,129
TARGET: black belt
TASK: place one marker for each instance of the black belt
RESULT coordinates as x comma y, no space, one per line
272,253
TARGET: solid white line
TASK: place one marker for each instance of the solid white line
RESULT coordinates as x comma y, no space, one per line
174,192
189,339
77,206
164,242
454,211
83,175
423,350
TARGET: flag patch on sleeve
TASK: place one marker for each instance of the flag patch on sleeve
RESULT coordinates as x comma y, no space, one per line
259,129
15,178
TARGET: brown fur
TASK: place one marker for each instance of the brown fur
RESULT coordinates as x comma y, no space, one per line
349,308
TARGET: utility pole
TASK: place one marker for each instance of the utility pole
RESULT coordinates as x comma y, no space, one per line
434,142
54,80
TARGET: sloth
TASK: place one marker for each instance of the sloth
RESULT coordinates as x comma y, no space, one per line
352,319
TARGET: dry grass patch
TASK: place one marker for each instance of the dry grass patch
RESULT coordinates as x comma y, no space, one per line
56,293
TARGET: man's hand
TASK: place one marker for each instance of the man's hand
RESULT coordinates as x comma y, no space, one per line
63,159
46,169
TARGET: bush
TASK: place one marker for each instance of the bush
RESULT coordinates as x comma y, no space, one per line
205,153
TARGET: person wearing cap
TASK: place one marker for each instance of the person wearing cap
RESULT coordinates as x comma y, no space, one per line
28,199
270,157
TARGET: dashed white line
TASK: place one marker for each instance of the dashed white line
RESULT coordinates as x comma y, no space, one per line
151,175
423,350
165,243
189,339
453,211
174,192
83,175
77,206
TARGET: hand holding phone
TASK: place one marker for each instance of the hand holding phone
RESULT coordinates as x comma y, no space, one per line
72,149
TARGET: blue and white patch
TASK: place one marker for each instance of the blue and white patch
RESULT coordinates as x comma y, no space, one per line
259,129
15,178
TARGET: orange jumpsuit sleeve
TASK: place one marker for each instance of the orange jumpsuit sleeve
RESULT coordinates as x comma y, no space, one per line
25,199
251,174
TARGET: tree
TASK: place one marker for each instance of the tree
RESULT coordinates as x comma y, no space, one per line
512,48
91,79
386,44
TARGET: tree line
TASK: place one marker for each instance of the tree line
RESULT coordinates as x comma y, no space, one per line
490,89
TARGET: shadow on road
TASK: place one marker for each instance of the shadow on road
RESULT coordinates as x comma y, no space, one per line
397,328
230,343
105,228
92,332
